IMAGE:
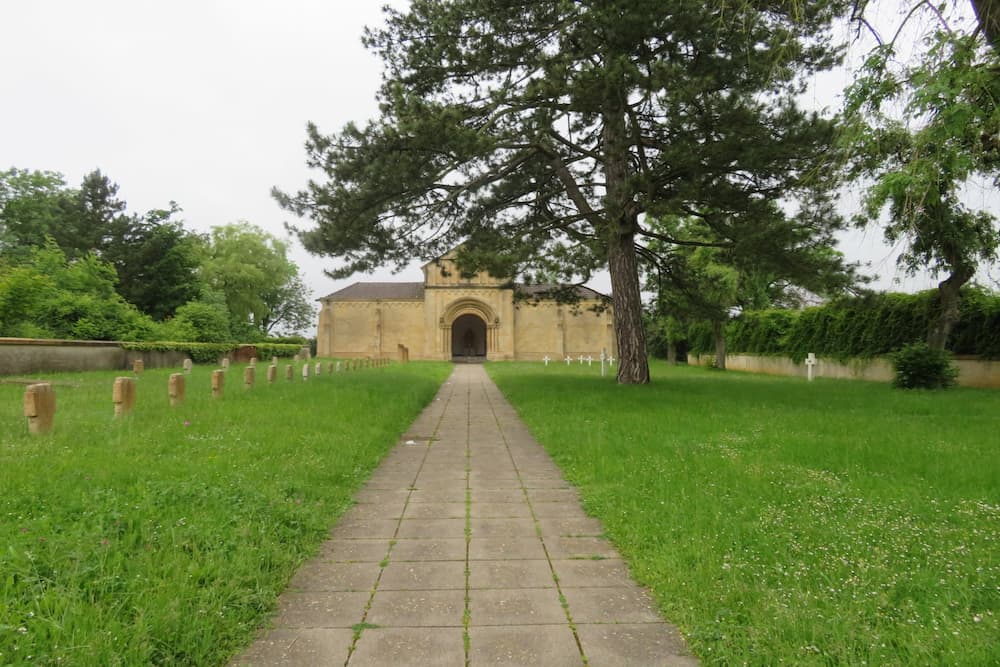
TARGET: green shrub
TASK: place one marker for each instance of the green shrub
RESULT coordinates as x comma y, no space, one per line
920,367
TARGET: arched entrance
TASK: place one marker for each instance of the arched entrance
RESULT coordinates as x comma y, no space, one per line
468,338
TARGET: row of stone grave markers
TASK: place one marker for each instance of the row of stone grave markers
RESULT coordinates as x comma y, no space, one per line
40,398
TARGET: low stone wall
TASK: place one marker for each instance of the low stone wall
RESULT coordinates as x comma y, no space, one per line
20,356
972,371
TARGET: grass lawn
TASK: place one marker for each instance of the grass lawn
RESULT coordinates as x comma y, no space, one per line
165,537
778,521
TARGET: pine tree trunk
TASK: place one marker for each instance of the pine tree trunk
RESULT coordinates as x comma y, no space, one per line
949,297
622,261
719,336
633,367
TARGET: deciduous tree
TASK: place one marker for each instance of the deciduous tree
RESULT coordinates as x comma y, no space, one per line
923,130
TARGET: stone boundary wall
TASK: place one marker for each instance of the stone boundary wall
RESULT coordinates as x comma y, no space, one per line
29,355
972,371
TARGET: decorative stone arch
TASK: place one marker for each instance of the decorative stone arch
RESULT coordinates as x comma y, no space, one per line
460,310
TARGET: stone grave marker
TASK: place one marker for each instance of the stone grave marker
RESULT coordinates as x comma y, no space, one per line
569,360
253,362
581,360
810,363
218,383
305,371
188,364
329,368
319,368
40,407
249,377
295,358
225,363
175,389
611,360
338,367
590,360
272,373
288,372
123,395
546,360
604,358
274,361
138,366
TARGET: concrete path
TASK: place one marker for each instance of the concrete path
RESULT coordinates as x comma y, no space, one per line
467,548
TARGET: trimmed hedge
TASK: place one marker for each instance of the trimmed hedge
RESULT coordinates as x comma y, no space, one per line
206,353
860,327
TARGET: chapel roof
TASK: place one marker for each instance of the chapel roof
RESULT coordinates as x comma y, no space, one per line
415,291
370,291
543,291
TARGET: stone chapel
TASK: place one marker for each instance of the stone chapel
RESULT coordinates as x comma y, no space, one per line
449,316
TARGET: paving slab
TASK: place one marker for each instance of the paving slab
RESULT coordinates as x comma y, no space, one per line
466,547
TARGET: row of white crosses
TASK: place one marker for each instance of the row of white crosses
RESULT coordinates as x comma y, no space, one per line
810,362
589,359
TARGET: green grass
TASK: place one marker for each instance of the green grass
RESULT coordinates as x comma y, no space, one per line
165,537
778,521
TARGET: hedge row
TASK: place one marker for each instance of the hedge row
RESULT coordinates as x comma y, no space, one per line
859,327
206,353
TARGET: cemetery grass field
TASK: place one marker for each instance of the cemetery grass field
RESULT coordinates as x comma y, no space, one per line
781,522
165,537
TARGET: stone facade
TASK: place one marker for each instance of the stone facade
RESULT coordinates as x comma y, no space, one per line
453,316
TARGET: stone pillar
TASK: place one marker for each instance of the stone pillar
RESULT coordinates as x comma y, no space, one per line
123,396
175,388
218,383
40,407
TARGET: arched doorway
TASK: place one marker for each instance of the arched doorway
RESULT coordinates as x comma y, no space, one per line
468,338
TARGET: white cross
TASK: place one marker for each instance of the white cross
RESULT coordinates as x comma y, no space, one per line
604,357
611,360
810,362
581,360
569,360
546,360
590,360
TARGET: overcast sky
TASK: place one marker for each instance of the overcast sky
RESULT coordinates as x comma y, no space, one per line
204,103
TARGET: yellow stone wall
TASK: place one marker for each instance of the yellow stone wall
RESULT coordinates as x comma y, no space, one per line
372,328
556,330
529,331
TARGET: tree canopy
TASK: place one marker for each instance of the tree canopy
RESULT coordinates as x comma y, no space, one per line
75,263
547,132
922,129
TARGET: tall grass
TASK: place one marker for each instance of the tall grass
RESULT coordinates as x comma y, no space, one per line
165,537
778,521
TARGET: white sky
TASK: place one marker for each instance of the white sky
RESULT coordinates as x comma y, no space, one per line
205,103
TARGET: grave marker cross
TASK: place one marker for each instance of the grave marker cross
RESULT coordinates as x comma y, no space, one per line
810,362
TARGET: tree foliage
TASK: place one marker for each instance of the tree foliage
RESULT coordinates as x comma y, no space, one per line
541,136
51,296
261,286
923,130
